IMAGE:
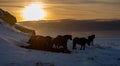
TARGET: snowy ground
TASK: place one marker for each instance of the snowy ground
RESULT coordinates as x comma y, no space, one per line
105,52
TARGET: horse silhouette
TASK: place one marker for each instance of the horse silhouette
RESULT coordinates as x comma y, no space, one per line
49,42
33,42
61,41
40,42
81,41
91,39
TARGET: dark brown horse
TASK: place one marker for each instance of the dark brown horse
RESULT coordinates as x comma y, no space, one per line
33,42
61,41
81,41
41,42
49,42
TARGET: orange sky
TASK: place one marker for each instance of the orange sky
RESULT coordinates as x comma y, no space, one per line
68,9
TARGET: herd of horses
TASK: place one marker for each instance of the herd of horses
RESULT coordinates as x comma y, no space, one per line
59,43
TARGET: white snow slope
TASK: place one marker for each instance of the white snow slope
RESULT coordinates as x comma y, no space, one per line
105,52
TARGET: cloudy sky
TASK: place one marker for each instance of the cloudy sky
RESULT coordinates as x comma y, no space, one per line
68,9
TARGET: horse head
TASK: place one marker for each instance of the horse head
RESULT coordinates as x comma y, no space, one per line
68,36
90,39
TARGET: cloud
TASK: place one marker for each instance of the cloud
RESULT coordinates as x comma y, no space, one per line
82,1
11,6
64,1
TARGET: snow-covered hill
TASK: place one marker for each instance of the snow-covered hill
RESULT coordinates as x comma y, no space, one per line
11,33
105,52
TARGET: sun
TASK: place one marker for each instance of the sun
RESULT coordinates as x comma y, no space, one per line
33,11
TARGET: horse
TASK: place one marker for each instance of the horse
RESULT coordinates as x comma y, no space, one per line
40,42
61,41
35,42
49,42
81,41
91,39
45,43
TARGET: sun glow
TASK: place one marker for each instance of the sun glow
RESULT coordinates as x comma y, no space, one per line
33,11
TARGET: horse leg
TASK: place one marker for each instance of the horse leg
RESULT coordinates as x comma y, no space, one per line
74,46
81,47
65,45
92,43
56,46
84,47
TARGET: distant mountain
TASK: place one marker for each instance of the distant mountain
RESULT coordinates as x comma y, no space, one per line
79,27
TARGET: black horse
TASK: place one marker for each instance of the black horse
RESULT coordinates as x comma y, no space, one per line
91,39
81,41
61,41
